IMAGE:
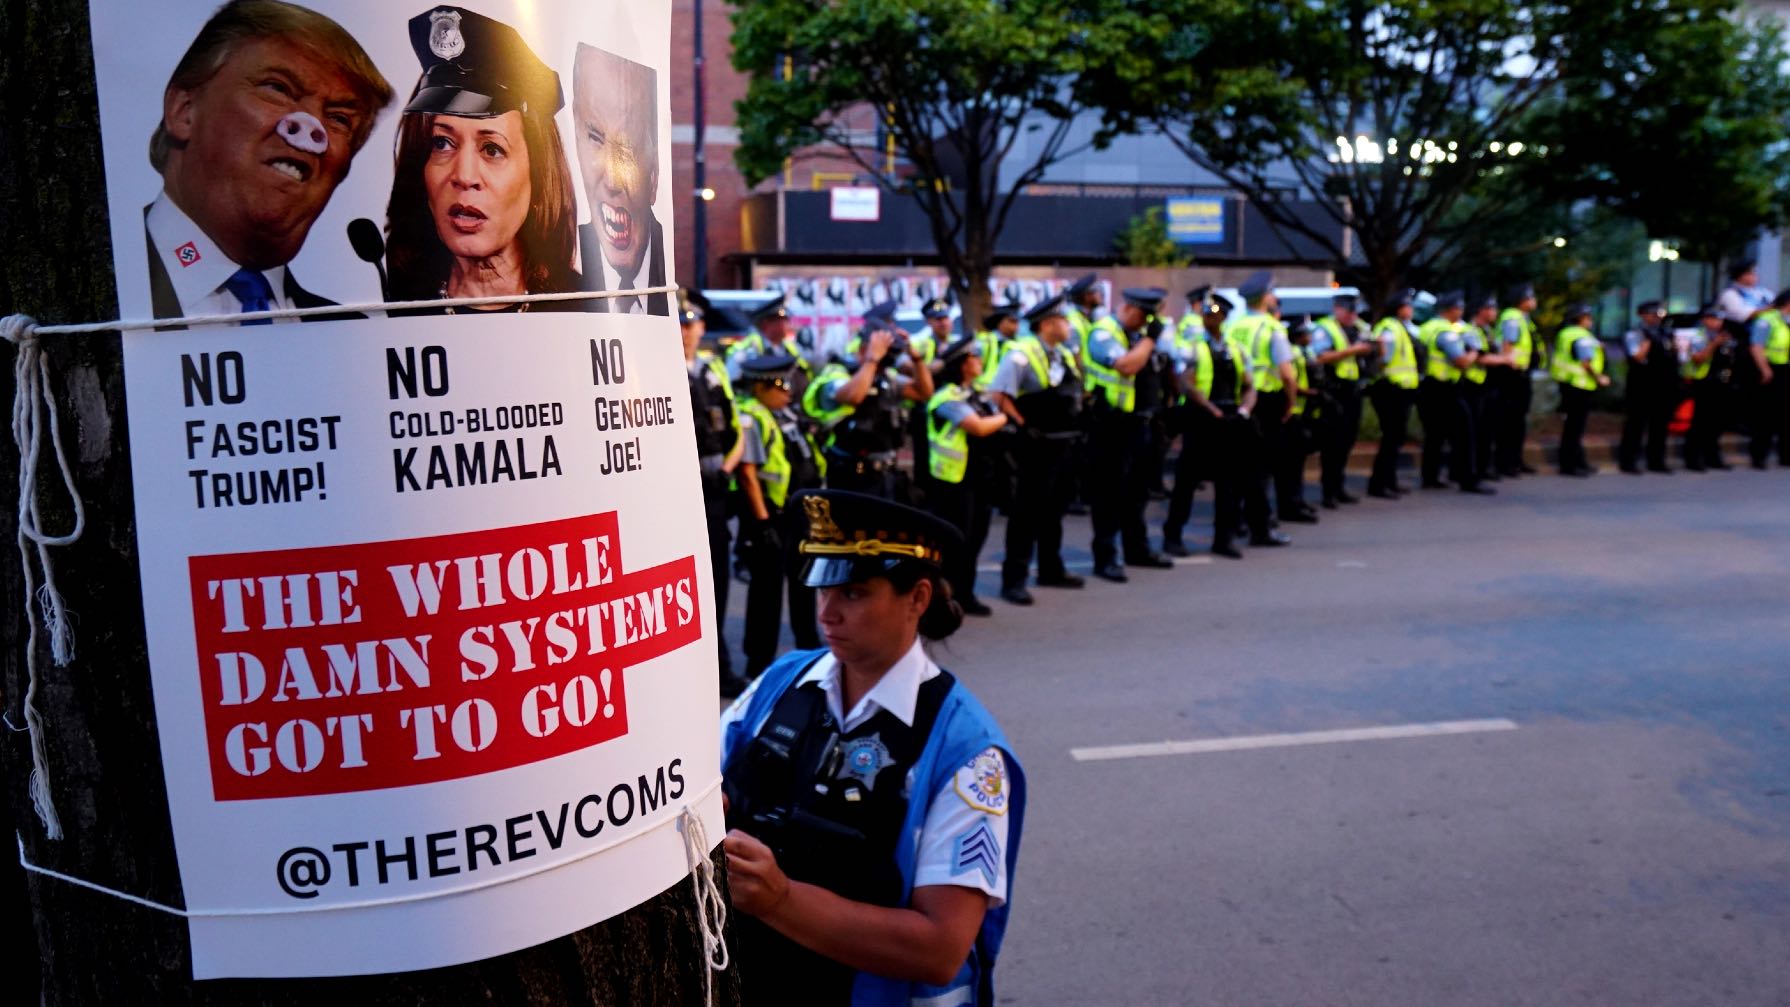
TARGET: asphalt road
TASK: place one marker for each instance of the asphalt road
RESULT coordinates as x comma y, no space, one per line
1620,835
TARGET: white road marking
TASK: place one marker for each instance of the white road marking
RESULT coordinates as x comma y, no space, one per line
1351,564
1204,745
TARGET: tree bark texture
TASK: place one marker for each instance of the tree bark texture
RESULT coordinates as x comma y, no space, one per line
103,752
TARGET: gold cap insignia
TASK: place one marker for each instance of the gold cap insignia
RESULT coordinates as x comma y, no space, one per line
820,520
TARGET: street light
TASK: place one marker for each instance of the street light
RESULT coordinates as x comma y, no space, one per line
1559,242
705,194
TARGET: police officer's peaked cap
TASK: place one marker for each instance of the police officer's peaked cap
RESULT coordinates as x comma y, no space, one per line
853,537
767,366
998,312
1257,285
770,310
1082,285
1491,301
1451,299
1050,307
1219,305
1741,268
1577,311
1197,296
938,307
880,315
478,68
1710,310
1646,306
1301,326
961,348
1147,298
688,313
1349,301
1521,292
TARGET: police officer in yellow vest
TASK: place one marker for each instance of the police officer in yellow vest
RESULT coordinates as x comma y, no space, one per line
1081,306
1770,339
1483,383
960,423
1338,345
1651,390
1259,339
999,327
1440,403
1120,349
1709,367
1226,441
1516,389
1578,366
780,460
1393,392
1192,420
1310,424
718,450
858,402
1038,386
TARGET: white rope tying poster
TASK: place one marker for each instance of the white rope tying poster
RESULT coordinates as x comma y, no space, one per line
426,612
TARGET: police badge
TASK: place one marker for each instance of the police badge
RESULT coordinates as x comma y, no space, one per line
445,39
864,758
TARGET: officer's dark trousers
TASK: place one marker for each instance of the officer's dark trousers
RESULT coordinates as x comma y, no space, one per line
862,477
1392,405
964,505
1771,418
1647,413
1439,408
772,570
1515,394
1118,484
1275,435
1339,433
1198,429
714,512
1481,399
921,483
1237,490
1709,420
1289,465
1035,520
1576,404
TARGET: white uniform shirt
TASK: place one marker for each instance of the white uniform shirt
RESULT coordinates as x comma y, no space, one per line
197,268
964,839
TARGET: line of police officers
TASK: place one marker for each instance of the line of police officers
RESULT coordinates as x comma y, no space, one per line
1093,399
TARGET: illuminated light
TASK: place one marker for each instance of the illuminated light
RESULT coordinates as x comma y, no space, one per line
1392,145
1516,148
1495,147
1559,242
705,194
1452,158
1453,145
1656,250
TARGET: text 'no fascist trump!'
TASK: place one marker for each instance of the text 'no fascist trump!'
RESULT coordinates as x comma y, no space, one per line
386,664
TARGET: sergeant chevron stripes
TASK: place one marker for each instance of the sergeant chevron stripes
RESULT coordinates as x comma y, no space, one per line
978,849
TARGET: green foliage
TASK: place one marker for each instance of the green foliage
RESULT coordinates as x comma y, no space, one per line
1670,112
1144,241
966,88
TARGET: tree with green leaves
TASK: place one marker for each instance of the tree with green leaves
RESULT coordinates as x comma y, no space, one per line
1429,131
978,97
1145,241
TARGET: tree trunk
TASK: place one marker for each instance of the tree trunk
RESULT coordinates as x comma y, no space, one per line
104,756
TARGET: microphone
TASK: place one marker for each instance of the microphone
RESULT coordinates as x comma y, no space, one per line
369,244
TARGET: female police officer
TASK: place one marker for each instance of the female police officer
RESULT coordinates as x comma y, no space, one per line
875,807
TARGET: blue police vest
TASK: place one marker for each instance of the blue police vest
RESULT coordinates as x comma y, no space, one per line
963,728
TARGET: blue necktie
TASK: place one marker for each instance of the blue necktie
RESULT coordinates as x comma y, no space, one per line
252,290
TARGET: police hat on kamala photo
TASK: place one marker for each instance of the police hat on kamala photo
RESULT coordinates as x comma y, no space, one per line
1647,306
852,537
476,67
772,309
1050,307
880,316
1081,286
1218,304
938,307
1147,298
1521,292
1451,299
998,312
1258,285
767,366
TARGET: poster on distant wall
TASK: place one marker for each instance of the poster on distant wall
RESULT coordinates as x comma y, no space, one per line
429,621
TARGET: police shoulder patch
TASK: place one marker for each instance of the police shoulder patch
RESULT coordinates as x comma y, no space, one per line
983,784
